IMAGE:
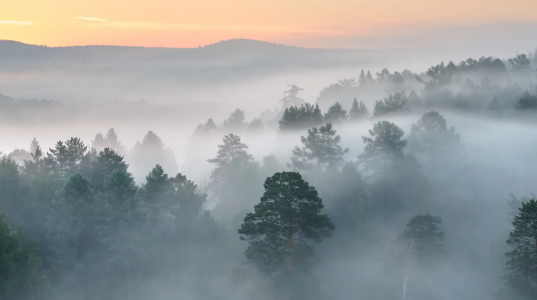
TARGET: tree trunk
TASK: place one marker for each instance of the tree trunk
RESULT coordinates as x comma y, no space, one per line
289,249
407,271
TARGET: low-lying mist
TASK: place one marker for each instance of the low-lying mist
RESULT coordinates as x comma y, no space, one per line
421,173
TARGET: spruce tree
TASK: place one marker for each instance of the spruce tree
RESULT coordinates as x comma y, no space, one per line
305,116
362,80
358,111
369,77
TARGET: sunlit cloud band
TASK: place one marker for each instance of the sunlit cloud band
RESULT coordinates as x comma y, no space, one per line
16,22
91,19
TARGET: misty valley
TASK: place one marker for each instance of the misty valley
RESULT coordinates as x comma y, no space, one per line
363,183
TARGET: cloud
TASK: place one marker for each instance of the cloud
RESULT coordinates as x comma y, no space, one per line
91,19
172,26
16,22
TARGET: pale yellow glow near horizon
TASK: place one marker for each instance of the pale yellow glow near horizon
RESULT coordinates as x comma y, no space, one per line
173,23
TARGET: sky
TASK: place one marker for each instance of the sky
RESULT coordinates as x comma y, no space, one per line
306,23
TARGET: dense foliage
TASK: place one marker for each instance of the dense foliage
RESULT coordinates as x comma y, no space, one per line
108,222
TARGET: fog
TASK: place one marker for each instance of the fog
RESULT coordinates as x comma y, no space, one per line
173,107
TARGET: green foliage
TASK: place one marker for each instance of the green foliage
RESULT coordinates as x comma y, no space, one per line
395,103
298,118
522,259
425,235
291,96
21,275
10,185
342,92
232,155
150,152
430,138
521,62
235,179
285,225
335,114
358,111
347,202
236,121
256,124
397,184
104,164
384,143
110,141
321,151
69,157
206,128
73,234
527,101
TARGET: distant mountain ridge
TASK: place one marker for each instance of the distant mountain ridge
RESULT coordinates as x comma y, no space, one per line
12,52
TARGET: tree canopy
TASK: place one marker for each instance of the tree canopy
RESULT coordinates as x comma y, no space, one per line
285,225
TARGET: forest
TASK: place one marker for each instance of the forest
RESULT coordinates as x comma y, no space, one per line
389,185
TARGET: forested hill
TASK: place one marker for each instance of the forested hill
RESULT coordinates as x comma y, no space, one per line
15,53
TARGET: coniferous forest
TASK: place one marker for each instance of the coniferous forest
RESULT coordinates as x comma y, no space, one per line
387,186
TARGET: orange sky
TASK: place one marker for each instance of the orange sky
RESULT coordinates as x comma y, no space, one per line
177,23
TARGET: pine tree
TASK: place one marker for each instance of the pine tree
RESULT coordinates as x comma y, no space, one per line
522,259
397,184
321,151
231,155
206,128
21,275
385,143
102,167
520,63
73,235
256,124
423,232
236,121
291,96
415,251
335,114
69,157
396,103
35,150
285,225
430,138
235,178
156,188
121,229
35,166
150,152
